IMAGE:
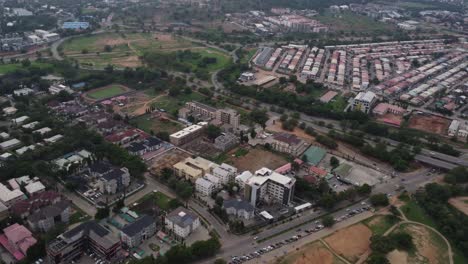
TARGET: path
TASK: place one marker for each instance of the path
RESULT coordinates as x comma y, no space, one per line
333,252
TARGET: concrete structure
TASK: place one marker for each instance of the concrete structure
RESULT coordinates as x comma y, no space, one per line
34,187
269,187
192,169
243,178
364,101
384,108
9,197
47,217
187,134
226,141
225,173
204,186
88,236
10,144
228,116
288,143
182,222
114,181
220,116
75,25
453,128
133,234
239,208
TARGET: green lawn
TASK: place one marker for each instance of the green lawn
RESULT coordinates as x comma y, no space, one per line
241,152
77,216
222,60
11,67
248,55
380,224
107,92
172,104
162,200
415,213
338,104
146,124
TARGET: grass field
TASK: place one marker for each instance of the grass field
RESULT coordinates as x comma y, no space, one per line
349,21
248,55
146,124
172,104
222,60
8,68
380,224
106,92
415,213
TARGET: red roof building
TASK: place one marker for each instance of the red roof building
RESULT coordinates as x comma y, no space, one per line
17,239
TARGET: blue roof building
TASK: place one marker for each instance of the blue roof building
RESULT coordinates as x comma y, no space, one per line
75,25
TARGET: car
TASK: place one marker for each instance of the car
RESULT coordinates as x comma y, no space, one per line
255,238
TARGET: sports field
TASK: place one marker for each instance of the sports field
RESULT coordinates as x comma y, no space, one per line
107,92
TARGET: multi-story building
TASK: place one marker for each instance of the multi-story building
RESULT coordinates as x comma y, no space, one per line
47,217
88,236
182,222
228,116
364,101
114,181
453,128
269,187
201,111
208,113
187,134
192,169
204,186
9,197
226,141
225,173
17,239
239,208
133,234
24,208
288,143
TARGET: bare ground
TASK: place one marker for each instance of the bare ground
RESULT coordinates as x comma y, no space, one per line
461,203
350,242
256,159
312,253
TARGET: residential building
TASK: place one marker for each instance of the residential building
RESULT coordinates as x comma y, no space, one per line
17,239
226,141
34,187
4,213
75,25
114,181
47,217
98,169
88,236
364,101
453,128
10,110
9,197
42,131
247,76
269,187
24,208
384,108
228,116
20,120
204,186
288,143
145,146
133,234
243,178
4,135
192,169
10,144
187,134
225,173
23,92
201,111
239,208
182,222
53,139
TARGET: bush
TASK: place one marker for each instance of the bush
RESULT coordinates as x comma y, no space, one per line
380,199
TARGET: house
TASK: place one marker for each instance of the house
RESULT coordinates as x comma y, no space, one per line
17,239
53,139
192,169
10,110
182,222
98,169
24,208
453,128
239,208
47,217
114,181
204,186
89,236
145,146
187,134
318,172
288,143
42,131
133,234
9,197
20,120
4,136
34,187
23,92
384,108
10,144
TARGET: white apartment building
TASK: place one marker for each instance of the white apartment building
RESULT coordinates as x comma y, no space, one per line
204,186
243,178
270,187
453,128
225,173
364,101
213,179
9,197
182,222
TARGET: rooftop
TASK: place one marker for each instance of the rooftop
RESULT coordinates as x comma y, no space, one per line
137,226
182,217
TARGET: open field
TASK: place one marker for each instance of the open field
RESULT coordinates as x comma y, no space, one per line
348,21
429,123
429,247
379,224
107,92
149,123
461,203
350,242
137,104
255,159
171,104
314,252
11,67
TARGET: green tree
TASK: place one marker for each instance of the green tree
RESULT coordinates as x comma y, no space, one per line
102,213
259,116
334,162
379,199
328,221
213,131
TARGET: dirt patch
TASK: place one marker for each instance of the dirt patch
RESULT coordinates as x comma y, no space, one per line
461,203
397,257
312,253
276,127
350,242
111,41
138,103
256,159
130,61
166,160
430,248
429,123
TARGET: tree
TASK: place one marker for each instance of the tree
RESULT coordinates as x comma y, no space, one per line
334,162
253,134
328,221
377,258
259,116
174,91
107,48
109,68
36,251
380,199
213,131
26,63
102,213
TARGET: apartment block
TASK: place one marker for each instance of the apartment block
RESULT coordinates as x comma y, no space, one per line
182,222
133,234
